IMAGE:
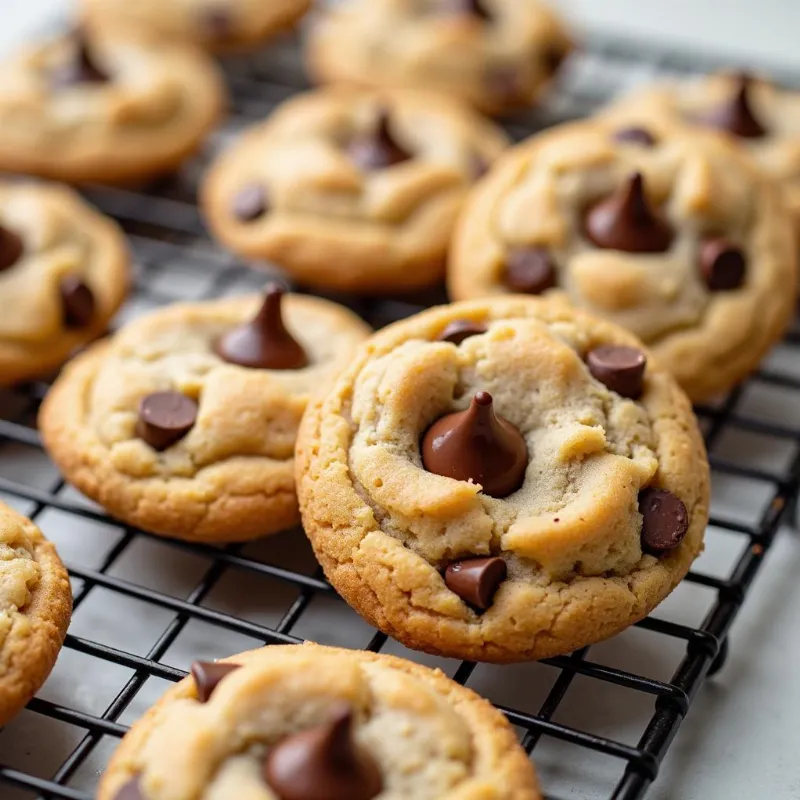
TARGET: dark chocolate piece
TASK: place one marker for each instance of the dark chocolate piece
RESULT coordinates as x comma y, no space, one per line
736,115
460,329
530,270
207,676
165,418
618,367
11,248
250,202
476,580
77,302
665,521
378,149
721,264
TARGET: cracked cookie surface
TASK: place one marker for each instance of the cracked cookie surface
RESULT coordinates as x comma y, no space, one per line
226,475
111,109
63,275
35,607
428,737
351,190
386,530
668,231
496,55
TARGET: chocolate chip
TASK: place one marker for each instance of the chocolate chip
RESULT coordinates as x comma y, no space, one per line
11,248
530,270
165,418
77,302
639,136
250,202
553,57
477,445
665,520
721,264
130,791
323,763
207,676
263,342
476,580
460,329
81,67
620,368
736,115
379,148
625,221
216,21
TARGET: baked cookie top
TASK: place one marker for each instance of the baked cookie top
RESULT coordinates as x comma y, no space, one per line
503,480
352,189
494,54
671,232
217,25
106,109
305,722
35,607
184,423
757,113
63,274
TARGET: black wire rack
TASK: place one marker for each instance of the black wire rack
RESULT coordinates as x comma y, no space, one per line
169,242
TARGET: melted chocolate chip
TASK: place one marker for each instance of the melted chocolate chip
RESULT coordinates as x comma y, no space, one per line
736,115
640,136
165,418
722,264
323,763
476,580
81,67
665,520
250,202
460,329
11,248
618,367
130,791
264,342
625,221
530,270
208,675
77,302
479,446
378,149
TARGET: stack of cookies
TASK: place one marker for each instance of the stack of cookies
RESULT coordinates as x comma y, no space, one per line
509,477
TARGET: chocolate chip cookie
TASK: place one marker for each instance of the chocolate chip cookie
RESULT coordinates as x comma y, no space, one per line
319,723
35,607
63,275
503,480
107,109
352,190
184,423
217,25
669,231
758,114
498,55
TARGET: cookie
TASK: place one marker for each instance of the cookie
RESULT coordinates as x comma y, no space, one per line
503,480
306,722
758,114
184,423
669,231
108,110
497,55
351,190
217,25
35,607
63,275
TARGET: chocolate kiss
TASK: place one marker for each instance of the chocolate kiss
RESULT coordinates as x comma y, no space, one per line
625,221
323,763
264,342
82,67
11,248
208,675
736,115
476,445
377,149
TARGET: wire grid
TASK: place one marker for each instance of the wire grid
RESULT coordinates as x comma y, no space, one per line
168,240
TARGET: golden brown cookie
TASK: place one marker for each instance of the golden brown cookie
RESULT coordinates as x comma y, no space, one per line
184,423
217,25
63,275
497,55
758,114
503,480
110,109
669,231
351,190
304,722
35,607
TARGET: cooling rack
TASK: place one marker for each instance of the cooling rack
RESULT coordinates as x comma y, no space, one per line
145,607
